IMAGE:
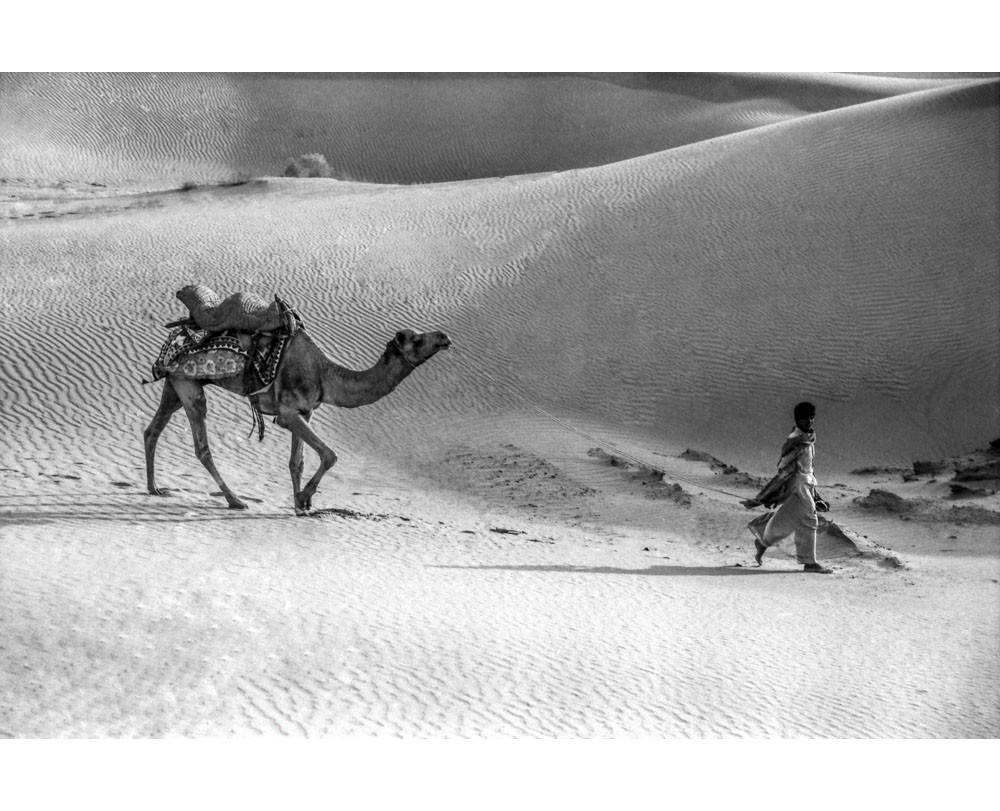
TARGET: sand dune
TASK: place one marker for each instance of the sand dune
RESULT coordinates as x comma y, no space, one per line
701,258
634,265
157,129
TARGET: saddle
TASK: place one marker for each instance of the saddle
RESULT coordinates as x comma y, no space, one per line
240,312
241,334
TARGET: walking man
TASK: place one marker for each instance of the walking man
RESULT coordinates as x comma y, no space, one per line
793,490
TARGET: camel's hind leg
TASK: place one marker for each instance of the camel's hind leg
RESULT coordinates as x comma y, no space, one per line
192,397
169,403
295,463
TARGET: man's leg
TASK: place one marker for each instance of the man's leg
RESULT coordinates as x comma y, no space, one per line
805,545
771,529
757,528
805,533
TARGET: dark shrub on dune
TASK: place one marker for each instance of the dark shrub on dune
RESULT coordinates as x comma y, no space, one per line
312,165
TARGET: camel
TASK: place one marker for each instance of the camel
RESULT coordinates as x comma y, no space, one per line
305,379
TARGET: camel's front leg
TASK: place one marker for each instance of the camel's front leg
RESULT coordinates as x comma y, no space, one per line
295,464
192,396
169,403
291,419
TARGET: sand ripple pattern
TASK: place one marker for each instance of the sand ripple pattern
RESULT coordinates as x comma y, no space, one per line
123,127
642,651
157,129
726,268
682,293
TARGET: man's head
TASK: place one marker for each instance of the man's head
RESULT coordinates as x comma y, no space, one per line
805,414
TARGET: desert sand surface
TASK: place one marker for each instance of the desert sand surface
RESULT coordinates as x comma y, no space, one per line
539,533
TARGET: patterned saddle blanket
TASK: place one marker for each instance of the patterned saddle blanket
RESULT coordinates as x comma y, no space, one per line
198,354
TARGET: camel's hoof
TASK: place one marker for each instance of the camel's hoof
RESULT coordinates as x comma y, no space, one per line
237,505
156,491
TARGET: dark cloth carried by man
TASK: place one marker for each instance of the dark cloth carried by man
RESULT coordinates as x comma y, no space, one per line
779,488
776,490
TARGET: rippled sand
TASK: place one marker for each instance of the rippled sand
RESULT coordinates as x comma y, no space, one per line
640,266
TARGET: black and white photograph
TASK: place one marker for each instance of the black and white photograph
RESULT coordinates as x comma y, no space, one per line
486,404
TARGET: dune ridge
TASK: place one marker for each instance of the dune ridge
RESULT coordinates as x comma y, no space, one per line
151,130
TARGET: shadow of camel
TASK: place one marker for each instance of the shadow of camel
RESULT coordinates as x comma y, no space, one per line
652,571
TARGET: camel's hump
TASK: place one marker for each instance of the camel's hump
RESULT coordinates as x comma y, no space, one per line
247,312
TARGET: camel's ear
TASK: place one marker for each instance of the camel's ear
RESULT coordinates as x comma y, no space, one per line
402,336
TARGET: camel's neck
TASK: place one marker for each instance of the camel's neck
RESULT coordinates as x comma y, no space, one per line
349,389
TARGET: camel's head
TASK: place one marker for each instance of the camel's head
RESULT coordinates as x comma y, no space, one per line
416,347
